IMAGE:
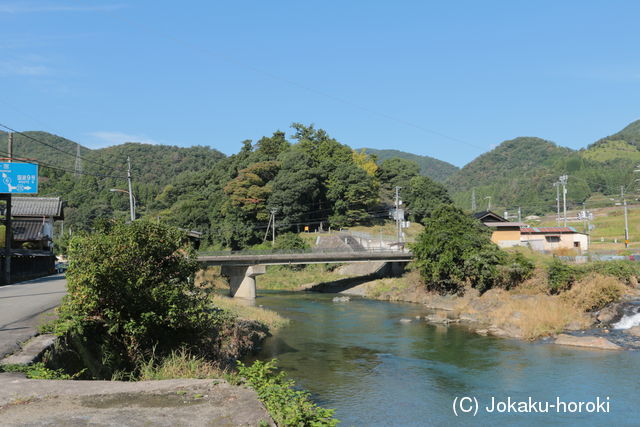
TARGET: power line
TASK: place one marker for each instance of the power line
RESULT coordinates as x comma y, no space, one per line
229,59
77,155
46,165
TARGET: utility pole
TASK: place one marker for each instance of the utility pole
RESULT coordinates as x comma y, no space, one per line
474,208
519,214
488,202
132,205
626,221
397,214
7,222
557,185
273,227
563,182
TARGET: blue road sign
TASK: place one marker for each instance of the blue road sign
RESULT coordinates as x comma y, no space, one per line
19,178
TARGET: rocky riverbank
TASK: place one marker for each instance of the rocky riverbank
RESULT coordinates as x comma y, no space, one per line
519,314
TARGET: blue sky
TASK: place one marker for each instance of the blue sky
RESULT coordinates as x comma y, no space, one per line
445,79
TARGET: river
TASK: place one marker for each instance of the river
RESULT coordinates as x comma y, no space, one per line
359,358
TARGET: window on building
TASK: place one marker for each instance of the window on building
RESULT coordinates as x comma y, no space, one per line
576,244
552,239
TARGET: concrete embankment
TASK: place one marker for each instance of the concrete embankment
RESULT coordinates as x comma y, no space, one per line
165,403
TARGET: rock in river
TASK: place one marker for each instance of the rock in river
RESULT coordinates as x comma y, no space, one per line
587,341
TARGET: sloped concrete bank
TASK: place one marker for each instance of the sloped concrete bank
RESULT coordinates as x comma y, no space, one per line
115,403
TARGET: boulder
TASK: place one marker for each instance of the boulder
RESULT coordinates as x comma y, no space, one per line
610,314
635,331
586,341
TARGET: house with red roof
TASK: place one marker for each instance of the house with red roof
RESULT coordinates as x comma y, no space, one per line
554,238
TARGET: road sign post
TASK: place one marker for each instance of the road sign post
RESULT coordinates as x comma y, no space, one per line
18,178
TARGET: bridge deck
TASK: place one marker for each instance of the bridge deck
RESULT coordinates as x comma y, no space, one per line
304,258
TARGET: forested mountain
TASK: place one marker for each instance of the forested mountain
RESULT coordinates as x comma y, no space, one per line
433,168
521,172
311,180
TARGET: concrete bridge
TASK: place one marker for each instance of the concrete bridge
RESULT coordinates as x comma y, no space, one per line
242,268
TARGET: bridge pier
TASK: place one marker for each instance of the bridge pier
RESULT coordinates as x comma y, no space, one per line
242,279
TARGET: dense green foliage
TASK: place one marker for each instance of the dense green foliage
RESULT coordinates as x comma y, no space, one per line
456,249
130,297
435,169
561,276
521,172
313,181
287,405
37,371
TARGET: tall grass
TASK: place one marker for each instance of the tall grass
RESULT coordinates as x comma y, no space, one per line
179,364
240,308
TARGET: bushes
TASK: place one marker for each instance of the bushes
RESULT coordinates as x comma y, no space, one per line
455,249
561,276
131,296
594,292
516,269
287,406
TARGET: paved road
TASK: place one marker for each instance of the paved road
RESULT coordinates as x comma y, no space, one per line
23,306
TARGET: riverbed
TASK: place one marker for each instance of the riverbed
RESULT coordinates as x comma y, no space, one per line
367,361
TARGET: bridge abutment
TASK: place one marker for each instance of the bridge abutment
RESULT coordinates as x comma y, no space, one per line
242,279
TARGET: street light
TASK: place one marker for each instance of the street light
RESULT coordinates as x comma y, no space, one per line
132,201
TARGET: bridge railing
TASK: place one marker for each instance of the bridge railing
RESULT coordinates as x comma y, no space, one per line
302,251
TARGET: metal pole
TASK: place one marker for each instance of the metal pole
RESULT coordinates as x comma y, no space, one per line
557,185
8,223
397,214
273,227
626,221
132,204
563,181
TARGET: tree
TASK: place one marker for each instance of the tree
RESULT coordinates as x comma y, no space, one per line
250,190
423,196
130,297
395,172
296,188
352,192
455,249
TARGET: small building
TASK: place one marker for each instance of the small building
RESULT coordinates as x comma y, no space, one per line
554,238
504,232
33,219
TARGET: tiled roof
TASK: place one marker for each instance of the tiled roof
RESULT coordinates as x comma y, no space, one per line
27,230
37,207
533,230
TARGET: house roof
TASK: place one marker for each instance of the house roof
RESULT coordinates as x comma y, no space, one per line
500,224
25,230
488,216
547,230
37,207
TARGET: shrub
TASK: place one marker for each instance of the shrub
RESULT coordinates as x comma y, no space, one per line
560,276
594,292
290,241
131,296
287,406
626,271
454,249
516,269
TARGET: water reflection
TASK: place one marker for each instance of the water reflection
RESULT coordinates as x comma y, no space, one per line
359,358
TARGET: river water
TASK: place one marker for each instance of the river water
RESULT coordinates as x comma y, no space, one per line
359,358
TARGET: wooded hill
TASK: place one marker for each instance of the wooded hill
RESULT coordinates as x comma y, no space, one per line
311,180
521,172
435,169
